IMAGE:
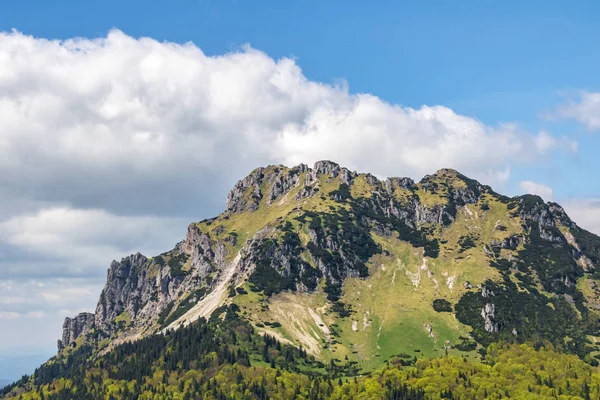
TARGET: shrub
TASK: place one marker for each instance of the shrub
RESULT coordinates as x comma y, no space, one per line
442,305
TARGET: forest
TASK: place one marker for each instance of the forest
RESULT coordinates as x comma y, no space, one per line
223,358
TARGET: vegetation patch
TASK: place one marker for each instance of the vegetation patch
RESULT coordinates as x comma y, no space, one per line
279,265
466,345
342,309
341,194
467,242
176,264
442,305
526,317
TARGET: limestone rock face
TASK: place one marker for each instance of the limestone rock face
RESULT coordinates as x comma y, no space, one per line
392,183
538,215
139,289
75,327
282,182
488,314
199,247
326,168
238,201
247,194
123,290
346,176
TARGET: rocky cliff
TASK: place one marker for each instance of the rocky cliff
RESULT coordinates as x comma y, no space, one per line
73,328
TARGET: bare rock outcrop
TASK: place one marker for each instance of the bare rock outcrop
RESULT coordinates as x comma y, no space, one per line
488,315
75,327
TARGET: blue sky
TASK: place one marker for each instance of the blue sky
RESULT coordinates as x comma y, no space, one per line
102,134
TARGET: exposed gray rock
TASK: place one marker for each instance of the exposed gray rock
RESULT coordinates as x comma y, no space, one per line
231,239
431,215
568,282
143,287
487,313
346,266
372,180
196,238
392,183
346,177
282,183
326,167
74,328
199,247
238,201
305,192
487,251
462,196
284,258
559,215
500,227
539,215
429,330
569,298
511,242
122,290
406,213
301,168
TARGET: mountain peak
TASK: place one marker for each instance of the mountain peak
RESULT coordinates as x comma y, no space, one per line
447,172
326,167
337,262
449,176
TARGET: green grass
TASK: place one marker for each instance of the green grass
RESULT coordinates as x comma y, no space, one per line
123,317
399,310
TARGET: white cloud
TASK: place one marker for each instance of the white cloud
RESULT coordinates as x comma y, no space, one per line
35,314
139,126
586,111
28,299
539,189
8,315
89,238
585,212
544,142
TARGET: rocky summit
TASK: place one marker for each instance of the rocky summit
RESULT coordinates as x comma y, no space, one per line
338,274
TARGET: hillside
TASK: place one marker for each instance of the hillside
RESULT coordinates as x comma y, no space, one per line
343,274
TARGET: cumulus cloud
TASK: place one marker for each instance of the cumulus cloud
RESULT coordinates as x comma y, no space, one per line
33,299
33,310
539,189
85,238
586,110
544,142
585,212
140,126
112,145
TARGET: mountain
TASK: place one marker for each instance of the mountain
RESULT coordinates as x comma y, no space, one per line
323,272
